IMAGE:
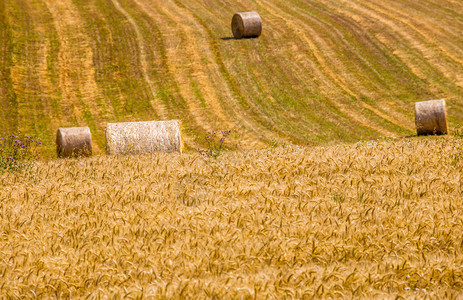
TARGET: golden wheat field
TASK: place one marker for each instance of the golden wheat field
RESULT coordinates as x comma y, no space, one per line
374,219
293,212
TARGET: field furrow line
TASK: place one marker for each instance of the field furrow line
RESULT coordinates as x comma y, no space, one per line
46,57
424,41
205,42
332,76
34,112
343,67
208,66
416,53
21,53
116,62
404,37
412,52
375,85
183,61
8,105
200,58
252,132
81,98
437,26
157,105
288,78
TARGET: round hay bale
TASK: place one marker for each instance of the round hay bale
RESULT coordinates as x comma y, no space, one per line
73,142
431,117
143,137
246,24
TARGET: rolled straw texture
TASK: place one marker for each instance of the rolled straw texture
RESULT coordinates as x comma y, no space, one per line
143,137
73,142
431,117
246,24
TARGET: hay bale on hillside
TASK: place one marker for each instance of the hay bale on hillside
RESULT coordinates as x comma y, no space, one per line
431,117
73,142
143,137
246,24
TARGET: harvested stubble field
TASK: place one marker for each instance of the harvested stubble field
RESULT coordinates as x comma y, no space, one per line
374,219
323,71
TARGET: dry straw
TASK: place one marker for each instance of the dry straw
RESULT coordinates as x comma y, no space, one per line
73,142
431,117
364,221
143,137
246,24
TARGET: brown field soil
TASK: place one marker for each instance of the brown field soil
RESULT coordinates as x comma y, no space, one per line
374,219
322,72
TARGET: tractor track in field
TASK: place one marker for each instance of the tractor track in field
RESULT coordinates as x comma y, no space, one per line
254,125
8,109
426,32
313,44
385,112
360,88
186,57
264,124
202,45
32,106
273,112
182,59
81,100
322,71
157,105
410,35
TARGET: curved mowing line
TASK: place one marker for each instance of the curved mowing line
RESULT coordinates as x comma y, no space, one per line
438,82
249,121
8,104
170,88
390,21
311,122
199,41
361,43
182,59
382,118
81,100
157,105
324,66
397,15
24,72
424,43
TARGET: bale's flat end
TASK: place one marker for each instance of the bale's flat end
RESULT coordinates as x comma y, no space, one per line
246,25
431,117
73,142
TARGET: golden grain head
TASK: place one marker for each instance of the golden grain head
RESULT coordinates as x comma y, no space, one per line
375,219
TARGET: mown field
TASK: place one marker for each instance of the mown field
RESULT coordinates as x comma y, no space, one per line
374,219
323,71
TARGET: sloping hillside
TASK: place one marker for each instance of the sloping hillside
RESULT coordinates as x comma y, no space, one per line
322,71
373,220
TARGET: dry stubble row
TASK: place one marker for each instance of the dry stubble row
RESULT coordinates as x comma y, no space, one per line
373,219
